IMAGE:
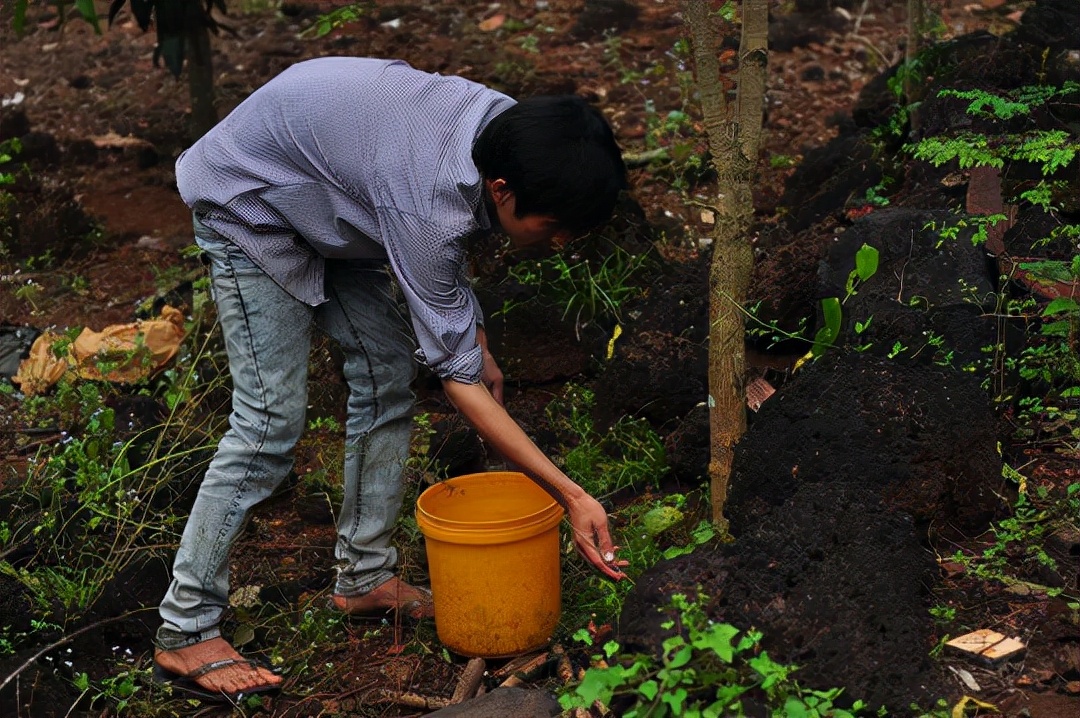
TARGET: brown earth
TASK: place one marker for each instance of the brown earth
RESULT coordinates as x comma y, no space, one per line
104,126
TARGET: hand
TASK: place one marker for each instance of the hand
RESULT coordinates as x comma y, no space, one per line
592,538
492,376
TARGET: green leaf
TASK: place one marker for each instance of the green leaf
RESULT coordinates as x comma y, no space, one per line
598,685
649,689
826,336
89,13
717,638
675,699
795,708
681,657
866,262
1061,304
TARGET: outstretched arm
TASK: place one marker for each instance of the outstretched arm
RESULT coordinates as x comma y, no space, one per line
587,517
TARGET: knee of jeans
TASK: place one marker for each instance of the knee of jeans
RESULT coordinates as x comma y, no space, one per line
275,431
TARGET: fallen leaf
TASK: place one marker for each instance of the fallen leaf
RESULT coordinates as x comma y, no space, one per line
492,23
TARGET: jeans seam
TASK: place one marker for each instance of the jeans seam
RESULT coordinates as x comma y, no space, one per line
376,407
264,427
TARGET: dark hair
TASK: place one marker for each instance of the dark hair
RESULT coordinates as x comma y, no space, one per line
559,157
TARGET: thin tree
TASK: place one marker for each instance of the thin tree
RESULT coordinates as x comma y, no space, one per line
734,136
183,31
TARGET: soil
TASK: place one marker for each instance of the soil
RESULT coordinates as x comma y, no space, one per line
101,229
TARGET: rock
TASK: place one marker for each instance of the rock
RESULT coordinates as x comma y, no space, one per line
504,703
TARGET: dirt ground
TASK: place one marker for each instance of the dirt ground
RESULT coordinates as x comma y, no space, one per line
106,126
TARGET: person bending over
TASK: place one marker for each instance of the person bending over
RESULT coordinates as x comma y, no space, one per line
337,189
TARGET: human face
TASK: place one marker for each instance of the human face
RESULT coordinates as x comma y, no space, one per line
529,234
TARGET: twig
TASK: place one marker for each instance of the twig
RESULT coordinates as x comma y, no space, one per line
521,675
470,681
512,666
564,670
412,700
640,159
859,17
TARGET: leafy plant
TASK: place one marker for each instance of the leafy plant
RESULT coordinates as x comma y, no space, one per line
866,265
706,670
336,18
587,289
629,454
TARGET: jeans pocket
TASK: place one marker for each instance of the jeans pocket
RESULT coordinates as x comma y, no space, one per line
225,258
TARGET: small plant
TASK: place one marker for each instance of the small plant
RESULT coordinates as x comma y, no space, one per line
705,669
337,18
587,289
1018,539
866,265
630,454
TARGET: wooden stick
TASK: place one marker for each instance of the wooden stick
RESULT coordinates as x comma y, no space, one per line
412,700
564,670
521,675
470,681
512,666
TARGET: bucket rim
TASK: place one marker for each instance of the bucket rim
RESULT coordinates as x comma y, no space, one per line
545,517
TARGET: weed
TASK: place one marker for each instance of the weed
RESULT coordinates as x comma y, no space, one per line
587,289
1018,539
629,454
336,18
705,669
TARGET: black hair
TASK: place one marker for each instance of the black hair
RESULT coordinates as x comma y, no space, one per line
559,157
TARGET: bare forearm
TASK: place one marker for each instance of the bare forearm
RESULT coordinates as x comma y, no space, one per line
502,433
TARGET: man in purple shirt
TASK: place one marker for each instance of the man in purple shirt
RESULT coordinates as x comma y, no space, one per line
333,190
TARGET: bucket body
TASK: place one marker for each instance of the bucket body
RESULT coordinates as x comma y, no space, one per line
493,555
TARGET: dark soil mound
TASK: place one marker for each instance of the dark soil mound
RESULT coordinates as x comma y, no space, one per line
834,491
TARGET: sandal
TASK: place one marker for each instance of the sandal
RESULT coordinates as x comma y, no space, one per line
189,687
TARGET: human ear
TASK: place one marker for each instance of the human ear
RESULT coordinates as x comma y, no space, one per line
500,191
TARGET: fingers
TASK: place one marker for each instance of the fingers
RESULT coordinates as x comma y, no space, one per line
605,562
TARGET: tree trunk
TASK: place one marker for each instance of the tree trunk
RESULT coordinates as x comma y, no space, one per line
734,138
200,73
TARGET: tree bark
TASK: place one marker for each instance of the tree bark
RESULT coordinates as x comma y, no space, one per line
734,137
200,72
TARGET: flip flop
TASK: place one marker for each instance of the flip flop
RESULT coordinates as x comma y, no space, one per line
188,687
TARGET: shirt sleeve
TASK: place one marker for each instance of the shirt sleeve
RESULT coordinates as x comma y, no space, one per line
428,259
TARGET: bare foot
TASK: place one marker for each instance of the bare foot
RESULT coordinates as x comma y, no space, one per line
239,677
394,595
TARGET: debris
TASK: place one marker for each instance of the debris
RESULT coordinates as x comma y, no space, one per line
988,645
492,23
412,700
564,670
757,392
112,141
966,678
470,681
125,353
522,674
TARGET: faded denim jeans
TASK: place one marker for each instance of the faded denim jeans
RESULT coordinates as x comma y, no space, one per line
268,338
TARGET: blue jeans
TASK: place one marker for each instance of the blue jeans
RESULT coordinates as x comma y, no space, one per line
268,338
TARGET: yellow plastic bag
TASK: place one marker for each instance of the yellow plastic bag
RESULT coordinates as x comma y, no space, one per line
123,353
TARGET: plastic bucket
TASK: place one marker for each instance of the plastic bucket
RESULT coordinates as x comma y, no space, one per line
493,555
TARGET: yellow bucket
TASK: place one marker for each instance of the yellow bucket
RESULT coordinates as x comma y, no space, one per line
493,555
